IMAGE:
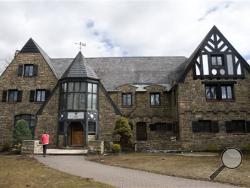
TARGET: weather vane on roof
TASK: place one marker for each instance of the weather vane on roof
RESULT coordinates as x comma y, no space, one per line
80,45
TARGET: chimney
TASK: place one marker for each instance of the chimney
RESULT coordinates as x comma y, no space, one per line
17,52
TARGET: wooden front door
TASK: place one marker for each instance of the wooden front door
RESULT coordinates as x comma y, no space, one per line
76,134
141,131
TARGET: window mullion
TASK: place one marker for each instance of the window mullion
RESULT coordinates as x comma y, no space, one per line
218,91
226,92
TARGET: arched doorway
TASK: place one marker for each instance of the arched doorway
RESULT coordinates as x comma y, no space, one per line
76,134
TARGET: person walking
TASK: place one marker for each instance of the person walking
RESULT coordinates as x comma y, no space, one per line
45,142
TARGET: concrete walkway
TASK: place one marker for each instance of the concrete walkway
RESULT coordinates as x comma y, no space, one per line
121,177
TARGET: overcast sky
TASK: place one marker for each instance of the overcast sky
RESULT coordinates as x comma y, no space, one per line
121,28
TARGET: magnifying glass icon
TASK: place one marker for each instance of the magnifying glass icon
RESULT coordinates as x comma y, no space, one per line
231,158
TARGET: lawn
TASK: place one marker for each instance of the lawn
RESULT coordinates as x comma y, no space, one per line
198,167
20,171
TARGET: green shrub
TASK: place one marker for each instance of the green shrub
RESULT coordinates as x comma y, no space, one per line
123,129
21,132
116,148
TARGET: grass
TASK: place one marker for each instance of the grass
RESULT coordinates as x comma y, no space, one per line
19,171
198,167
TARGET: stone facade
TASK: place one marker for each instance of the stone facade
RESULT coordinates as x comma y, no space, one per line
193,106
10,80
169,125
48,119
31,147
107,116
142,111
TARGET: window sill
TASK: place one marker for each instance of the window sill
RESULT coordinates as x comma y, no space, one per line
28,76
123,106
155,106
38,102
229,100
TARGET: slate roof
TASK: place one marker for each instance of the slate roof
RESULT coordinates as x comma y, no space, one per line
117,71
79,69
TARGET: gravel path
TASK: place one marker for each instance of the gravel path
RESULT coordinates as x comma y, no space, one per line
121,177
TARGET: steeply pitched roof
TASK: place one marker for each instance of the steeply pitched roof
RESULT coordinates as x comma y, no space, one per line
32,47
117,71
79,69
214,31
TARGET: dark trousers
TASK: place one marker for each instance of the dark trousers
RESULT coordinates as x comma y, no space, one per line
45,149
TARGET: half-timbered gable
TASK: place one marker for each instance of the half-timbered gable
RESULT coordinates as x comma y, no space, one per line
214,90
216,58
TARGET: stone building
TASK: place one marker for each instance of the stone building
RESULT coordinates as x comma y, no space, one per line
172,102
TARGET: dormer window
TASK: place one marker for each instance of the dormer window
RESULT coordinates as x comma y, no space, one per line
27,70
217,60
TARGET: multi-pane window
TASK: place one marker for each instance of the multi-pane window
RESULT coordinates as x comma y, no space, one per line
205,126
74,95
39,95
211,92
91,127
12,96
219,92
78,96
226,92
237,126
127,99
155,99
27,70
217,60
92,96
